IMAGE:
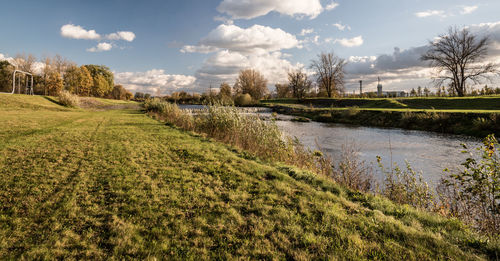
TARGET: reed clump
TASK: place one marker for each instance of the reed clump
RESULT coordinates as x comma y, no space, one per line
245,131
68,99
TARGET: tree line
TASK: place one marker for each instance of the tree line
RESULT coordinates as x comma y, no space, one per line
58,73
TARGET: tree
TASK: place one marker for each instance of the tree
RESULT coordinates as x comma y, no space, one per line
413,92
330,73
101,86
139,96
252,82
6,70
457,57
85,80
225,90
72,79
419,91
25,62
103,79
282,90
119,93
54,83
299,84
427,92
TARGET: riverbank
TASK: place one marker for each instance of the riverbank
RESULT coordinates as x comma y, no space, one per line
117,184
478,123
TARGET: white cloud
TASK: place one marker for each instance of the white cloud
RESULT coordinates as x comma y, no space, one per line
306,31
78,32
122,35
198,49
341,26
468,9
225,65
352,42
101,47
245,9
331,6
154,81
429,13
234,38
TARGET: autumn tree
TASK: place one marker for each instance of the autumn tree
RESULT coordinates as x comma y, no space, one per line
458,58
54,83
282,90
85,80
103,80
252,82
6,70
299,84
119,93
25,62
329,70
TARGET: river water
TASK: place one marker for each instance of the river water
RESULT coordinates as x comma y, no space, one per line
427,152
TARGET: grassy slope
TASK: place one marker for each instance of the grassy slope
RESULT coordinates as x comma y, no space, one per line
104,184
450,104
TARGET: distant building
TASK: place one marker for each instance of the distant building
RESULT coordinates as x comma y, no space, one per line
379,88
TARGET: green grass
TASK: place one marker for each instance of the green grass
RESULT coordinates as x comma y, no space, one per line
452,104
117,184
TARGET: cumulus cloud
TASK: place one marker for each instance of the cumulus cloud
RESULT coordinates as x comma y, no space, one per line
350,42
341,26
225,65
244,9
331,6
234,48
78,32
306,31
429,13
154,81
468,9
101,47
198,49
122,35
234,38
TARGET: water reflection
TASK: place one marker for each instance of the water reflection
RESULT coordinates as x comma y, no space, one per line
425,151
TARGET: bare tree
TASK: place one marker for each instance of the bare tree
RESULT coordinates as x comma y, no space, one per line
457,56
329,70
25,62
299,84
252,82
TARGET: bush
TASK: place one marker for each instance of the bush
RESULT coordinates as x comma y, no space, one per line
405,186
473,194
350,171
69,100
243,100
248,132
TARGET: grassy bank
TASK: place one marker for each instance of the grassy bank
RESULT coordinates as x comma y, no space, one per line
464,104
478,123
116,184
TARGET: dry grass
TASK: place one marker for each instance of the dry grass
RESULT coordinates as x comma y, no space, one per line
68,99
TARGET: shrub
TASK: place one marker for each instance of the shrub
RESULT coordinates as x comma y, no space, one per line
243,100
67,99
350,171
473,193
405,186
248,132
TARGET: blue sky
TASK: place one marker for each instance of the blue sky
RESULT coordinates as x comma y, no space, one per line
188,45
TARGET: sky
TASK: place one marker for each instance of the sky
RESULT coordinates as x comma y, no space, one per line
161,46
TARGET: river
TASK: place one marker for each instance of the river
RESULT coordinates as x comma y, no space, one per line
427,152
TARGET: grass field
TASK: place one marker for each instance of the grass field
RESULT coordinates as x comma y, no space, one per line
453,104
116,184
